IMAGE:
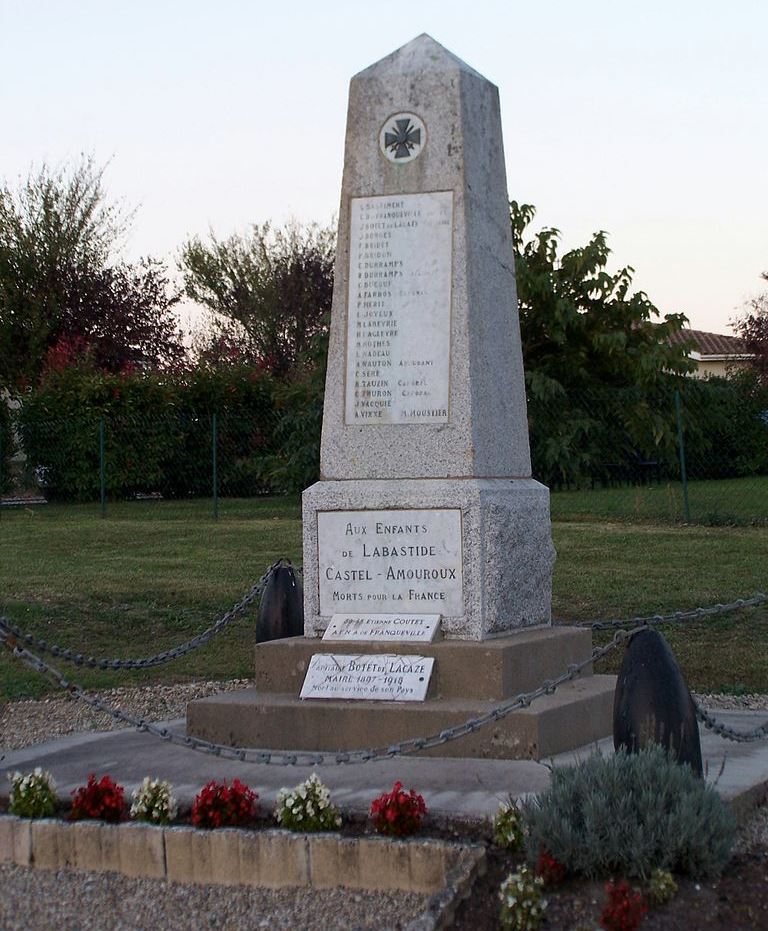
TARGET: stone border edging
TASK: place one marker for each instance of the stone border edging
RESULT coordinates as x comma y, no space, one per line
270,858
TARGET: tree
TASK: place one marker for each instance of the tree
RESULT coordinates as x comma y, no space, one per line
119,317
58,235
752,327
598,361
581,328
271,290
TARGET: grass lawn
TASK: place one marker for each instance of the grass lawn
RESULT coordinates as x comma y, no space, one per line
735,501
153,574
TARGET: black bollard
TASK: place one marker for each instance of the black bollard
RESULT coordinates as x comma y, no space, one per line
653,704
281,612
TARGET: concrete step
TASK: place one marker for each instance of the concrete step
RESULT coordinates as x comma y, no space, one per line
578,713
485,670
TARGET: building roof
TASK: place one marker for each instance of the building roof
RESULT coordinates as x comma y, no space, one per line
711,345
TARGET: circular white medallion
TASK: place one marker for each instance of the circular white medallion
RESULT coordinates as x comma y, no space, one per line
402,137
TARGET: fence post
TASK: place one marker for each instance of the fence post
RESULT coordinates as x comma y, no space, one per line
1,466
681,450
102,470
214,442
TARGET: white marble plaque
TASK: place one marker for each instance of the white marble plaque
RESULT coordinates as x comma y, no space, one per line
382,678
409,628
384,562
399,309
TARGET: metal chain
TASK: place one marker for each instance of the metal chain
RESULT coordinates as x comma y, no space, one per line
147,662
308,758
10,639
728,732
651,620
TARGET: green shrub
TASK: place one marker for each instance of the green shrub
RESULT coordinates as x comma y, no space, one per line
157,432
33,795
6,446
628,815
508,826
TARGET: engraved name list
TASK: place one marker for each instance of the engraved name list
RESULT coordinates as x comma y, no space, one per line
399,309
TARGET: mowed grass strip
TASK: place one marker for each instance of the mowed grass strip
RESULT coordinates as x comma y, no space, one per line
154,574
716,502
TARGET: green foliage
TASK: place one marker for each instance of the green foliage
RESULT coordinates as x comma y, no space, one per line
628,815
270,290
59,431
307,807
158,432
32,795
508,826
522,903
597,358
752,327
6,446
154,802
61,295
661,887
725,423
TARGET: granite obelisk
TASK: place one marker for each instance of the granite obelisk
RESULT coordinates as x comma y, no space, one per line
426,501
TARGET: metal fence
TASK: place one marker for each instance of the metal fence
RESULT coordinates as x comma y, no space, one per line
693,454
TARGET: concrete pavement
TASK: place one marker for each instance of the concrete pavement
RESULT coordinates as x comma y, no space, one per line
467,789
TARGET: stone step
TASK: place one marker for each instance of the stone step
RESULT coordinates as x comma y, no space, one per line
578,713
486,670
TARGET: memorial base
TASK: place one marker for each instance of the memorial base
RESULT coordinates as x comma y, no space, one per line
469,679
502,537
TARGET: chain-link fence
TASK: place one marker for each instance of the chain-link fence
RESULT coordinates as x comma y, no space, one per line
697,452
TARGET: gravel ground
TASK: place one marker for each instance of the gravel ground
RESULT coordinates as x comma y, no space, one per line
33,900
69,901
24,723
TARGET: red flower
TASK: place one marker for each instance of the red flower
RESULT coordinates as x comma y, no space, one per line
624,909
398,812
551,870
102,799
218,805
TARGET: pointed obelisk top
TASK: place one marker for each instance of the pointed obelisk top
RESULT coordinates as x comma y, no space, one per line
420,55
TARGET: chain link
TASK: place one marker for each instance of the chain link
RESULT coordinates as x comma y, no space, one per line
10,639
694,614
308,758
728,732
91,662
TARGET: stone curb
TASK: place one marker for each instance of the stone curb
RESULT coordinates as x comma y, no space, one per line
271,858
440,912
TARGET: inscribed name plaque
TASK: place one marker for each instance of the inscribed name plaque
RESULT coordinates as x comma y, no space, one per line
399,309
376,678
383,562
412,628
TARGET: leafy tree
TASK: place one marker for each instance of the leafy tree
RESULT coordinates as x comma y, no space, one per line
752,327
271,290
58,235
598,362
119,317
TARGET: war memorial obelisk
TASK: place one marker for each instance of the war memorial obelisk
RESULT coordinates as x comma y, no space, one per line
426,517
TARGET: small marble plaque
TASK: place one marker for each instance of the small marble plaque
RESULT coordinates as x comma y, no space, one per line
384,562
383,677
411,628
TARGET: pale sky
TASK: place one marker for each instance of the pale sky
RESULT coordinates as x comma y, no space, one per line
646,119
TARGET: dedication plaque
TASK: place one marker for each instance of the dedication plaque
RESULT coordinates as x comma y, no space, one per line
410,628
382,678
399,309
384,562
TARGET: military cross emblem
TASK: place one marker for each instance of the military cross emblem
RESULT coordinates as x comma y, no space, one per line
402,137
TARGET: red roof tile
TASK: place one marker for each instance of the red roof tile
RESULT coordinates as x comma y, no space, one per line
709,344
